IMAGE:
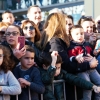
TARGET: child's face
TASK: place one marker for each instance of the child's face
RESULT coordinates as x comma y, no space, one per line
88,28
1,56
58,69
27,60
11,38
77,35
8,17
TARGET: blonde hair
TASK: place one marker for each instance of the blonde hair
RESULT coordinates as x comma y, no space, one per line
6,24
55,26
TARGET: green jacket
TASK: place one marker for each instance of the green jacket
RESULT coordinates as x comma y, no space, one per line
48,77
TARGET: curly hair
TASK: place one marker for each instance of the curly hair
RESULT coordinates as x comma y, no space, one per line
7,62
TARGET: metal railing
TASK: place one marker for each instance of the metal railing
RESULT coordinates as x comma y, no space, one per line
64,91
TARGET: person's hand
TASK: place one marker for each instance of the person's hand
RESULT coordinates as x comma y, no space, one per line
24,82
92,37
54,55
93,63
96,89
95,52
80,58
21,84
88,58
19,53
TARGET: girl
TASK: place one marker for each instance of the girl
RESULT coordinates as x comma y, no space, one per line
8,83
12,33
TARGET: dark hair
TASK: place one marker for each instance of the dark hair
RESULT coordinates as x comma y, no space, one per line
46,59
20,30
7,11
7,64
85,18
75,27
29,48
71,17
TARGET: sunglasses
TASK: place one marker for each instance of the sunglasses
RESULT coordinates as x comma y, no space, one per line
13,33
2,32
30,28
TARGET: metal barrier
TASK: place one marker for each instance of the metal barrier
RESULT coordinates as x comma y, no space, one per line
63,81
57,81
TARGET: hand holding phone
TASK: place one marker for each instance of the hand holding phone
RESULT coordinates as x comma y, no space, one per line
21,41
97,45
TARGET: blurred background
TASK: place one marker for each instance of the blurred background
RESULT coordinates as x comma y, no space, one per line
76,8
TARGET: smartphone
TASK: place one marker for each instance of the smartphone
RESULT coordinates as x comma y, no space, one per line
97,45
21,41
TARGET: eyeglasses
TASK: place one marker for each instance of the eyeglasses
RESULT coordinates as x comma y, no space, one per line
1,56
2,32
14,33
30,28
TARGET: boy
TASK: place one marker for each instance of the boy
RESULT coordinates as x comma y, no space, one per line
29,76
8,16
78,46
51,70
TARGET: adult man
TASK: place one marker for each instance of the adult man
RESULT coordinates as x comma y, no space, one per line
34,14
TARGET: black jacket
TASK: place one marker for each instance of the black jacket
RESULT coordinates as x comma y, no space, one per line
57,44
76,49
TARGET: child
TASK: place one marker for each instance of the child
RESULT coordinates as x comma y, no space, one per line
29,76
8,83
51,70
78,46
8,16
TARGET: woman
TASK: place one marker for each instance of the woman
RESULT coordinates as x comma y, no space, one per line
32,35
30,31
55,38
12,33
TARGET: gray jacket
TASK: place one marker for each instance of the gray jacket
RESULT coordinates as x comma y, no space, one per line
9,84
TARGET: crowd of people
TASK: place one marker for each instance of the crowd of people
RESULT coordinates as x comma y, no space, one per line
54,49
